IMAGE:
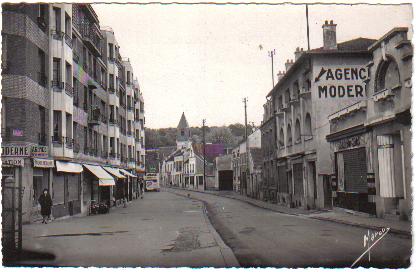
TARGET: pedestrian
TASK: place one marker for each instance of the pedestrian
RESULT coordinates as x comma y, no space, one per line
45,202
141,188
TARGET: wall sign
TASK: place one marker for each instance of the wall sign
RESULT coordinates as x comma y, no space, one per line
15,151
7,162
341,82
42,163
349,142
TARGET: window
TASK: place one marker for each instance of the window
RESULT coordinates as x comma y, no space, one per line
69,126
57,14
308,126
111,51
388,76
297,132
57,124
56,71
289,135
287,96
67,25
42,68
111,81
296,90
68,74
281,137
128,77
42,134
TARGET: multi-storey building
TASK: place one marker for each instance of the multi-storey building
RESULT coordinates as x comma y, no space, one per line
69,107
319,82
370,140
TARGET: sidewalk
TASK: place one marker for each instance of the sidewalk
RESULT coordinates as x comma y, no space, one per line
337,216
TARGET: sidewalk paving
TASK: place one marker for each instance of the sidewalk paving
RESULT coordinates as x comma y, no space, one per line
337,216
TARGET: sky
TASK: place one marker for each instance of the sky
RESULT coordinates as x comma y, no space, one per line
204,59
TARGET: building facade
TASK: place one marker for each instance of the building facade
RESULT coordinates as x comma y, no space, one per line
369,139
69,100
297,173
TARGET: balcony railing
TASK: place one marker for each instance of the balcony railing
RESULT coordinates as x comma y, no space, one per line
69,89
57,34
68,40
91,38
42,79
69,142
42,139
57,139
57,84
75,56
94,116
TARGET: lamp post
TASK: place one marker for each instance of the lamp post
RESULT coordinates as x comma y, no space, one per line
203,142
271,55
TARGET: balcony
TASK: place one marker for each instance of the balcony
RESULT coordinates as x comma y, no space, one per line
69,89
91,38
42,79
94,116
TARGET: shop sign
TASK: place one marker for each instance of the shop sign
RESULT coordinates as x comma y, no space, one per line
341,82
39,151
15,151
13,162
42,163
349,142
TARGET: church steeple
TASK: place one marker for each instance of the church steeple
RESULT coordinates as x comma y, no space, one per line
183,132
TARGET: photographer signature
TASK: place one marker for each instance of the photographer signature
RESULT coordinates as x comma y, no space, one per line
369,241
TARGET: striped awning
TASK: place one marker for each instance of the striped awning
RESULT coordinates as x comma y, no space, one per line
127,173
114,171
104,178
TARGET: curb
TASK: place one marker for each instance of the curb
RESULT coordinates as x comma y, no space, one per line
392,230
228,255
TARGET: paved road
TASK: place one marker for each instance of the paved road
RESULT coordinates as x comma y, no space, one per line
163,230
262,237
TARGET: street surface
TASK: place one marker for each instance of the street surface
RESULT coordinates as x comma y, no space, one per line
260,237
169,229
163,230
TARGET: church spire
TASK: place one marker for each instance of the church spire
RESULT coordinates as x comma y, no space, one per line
183,123
183,135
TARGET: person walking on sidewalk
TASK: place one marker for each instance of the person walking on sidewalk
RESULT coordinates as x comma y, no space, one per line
45,202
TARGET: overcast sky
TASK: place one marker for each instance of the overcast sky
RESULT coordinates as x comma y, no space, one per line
203,59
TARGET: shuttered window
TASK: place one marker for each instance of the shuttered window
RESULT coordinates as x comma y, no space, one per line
355,170
282,179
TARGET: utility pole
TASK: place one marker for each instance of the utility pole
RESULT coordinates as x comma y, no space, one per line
271,54
203,142
247,146
307,26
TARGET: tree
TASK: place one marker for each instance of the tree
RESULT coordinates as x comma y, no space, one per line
221,135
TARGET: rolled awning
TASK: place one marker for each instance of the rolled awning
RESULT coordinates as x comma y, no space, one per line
113,171
127,173
68,167
104,178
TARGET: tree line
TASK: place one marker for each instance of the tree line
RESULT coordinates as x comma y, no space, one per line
229,135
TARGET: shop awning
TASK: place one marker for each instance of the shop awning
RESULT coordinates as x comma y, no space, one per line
68,167
127,173
114,171
104,178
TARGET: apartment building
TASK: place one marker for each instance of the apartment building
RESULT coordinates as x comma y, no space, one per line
70,107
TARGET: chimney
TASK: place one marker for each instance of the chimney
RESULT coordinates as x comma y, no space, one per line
298,53
280,75
288,64
330,35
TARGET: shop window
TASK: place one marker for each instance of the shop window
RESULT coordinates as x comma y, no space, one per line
297,131
388,76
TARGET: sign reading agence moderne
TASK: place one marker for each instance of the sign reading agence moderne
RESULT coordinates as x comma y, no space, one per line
341,82
19,150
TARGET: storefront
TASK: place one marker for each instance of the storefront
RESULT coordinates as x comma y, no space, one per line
132,184
103,183
41,177
66,189
119,192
